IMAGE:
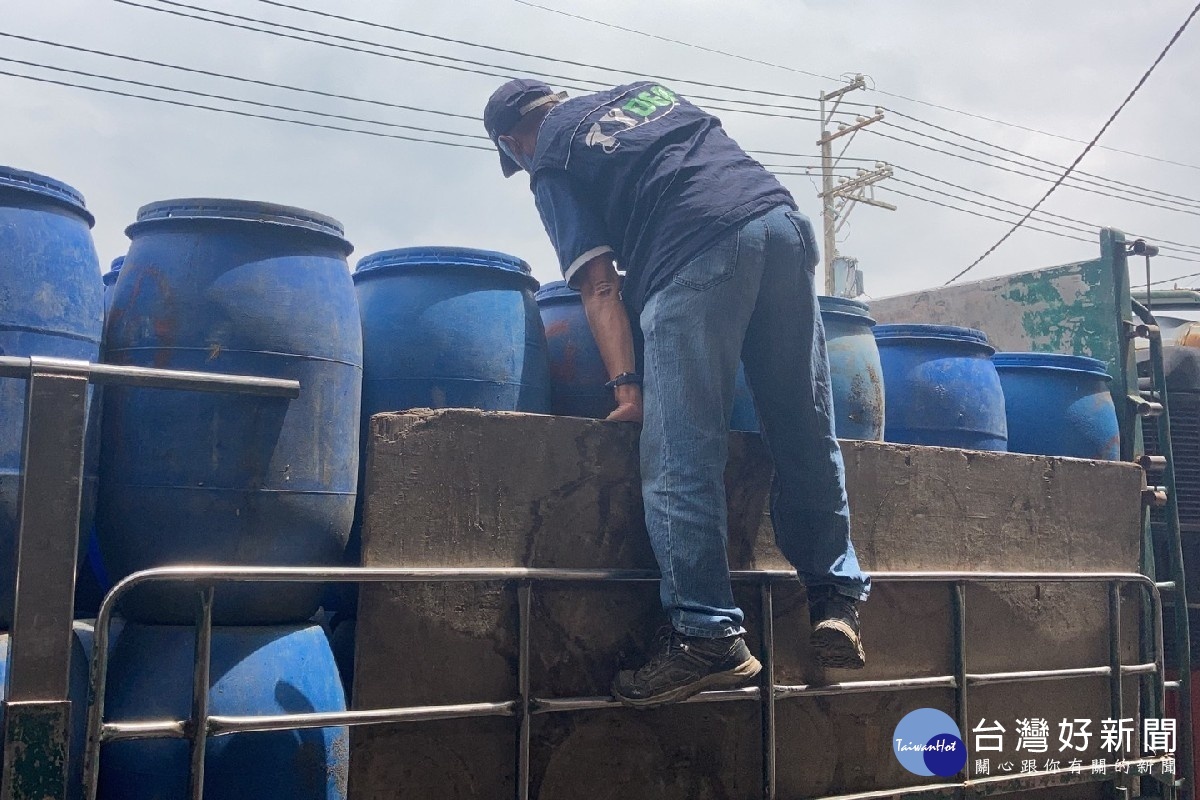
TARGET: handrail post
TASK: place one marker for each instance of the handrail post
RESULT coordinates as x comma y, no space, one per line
37,708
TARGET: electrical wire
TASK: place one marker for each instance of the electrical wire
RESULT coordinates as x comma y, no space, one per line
369,23
1139,191
525,54
240,113
1047,162
896,95
1144,203
470,66
1090,225
240,78
228,99
1176,278
1087,148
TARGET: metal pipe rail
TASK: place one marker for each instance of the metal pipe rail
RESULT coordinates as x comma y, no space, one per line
56,408
202,725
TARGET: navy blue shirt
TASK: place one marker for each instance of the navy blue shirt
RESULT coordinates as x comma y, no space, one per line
643,173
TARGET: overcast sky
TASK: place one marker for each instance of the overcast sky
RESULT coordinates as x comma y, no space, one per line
1057,65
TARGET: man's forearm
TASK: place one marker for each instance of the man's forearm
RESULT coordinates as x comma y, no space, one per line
606,315
600,286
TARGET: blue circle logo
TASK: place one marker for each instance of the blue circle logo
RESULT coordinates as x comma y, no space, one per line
928,742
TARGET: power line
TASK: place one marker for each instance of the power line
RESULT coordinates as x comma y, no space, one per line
952,207
669,40
278,3
1071,226
224,18
1103,182
903,193
1054,164
1008,222
316,92
458,64
1176,278
525,54
896,95
240,113
228,99
1087,148
1191,249
1090,225
240,78
1044,179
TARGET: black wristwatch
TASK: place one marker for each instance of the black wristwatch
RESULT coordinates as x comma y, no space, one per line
624,379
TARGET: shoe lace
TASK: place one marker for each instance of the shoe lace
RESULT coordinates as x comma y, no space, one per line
667,640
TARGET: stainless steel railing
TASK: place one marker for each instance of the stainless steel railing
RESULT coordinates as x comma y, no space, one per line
201,725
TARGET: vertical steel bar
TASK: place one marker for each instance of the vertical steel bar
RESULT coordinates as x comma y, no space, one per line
958,605
96,688
1115,700
767,693
200,673
524,599
36,740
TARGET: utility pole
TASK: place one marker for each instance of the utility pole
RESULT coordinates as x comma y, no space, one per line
837,202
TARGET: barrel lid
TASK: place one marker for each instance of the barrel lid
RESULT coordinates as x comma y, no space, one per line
219,209
19,179
441,257
556,290
1059,361
946,333
844,305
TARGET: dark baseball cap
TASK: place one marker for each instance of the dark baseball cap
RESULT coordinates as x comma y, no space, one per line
507,105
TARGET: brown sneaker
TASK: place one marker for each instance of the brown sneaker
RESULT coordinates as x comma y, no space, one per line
684,666
835,629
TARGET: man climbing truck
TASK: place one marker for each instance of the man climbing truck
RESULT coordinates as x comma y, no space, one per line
718,266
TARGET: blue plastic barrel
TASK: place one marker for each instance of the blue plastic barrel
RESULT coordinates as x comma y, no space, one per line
577,372
50,305
77,694
110,280
187,477
856,376
450,327
255,671
1058,405
446,327
855,372
93,583
941,387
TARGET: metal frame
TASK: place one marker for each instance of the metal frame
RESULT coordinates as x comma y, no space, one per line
37,709
1158,406
202,725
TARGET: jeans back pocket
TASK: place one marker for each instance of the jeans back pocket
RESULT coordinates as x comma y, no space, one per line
713,266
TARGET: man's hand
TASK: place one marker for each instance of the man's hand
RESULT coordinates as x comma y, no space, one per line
629,404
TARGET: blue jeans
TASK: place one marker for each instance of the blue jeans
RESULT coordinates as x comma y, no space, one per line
751,296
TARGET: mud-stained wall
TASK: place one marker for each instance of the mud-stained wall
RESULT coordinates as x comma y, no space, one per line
461,488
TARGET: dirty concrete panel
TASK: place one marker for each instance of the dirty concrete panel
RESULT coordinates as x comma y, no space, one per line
472,489
466,488
1066,309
